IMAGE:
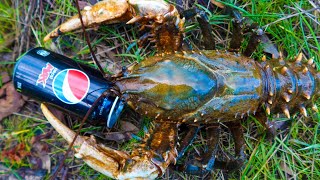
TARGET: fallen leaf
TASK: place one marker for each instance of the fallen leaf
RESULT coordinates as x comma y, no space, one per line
101,51
125,134
4,77
269,47
37,138
10,100
39,157
15,154
219,4
128,127
117,136
108,59
46,162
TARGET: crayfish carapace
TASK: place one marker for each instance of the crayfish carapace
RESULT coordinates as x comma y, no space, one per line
177,87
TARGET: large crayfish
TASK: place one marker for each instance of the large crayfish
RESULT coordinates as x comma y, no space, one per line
175,87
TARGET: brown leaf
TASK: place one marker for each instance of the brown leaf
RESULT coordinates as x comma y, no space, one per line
117,136
101,51
37,138
46,162
269,47
4,76
40,152
108,59
15,154
219,4
10,100
40,148
128,127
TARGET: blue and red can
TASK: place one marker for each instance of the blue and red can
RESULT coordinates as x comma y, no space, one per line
55,79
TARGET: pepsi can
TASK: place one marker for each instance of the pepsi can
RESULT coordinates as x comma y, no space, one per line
55,79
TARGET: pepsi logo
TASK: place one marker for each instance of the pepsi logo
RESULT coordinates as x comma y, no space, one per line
71,86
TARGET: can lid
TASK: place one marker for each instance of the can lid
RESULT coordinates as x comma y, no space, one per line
114,112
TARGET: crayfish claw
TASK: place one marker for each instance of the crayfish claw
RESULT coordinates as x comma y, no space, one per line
142,163
107,11
95,155
115,11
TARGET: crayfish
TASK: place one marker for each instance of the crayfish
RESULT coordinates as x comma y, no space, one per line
175,87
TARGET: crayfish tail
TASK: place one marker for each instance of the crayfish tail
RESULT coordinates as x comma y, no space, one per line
291,86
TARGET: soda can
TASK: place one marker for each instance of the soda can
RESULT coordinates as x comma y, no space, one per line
60,81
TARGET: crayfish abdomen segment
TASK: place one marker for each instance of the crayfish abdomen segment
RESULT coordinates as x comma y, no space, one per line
291,86
194,86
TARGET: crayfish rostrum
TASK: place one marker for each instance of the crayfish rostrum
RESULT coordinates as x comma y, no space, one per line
196,88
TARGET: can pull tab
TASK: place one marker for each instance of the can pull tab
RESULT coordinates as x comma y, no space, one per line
114,112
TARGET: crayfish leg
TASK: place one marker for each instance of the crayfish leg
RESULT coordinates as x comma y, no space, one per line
213,135
237,134
271,131
272,127
206,29
237,35
163,142
188,139
207,162
254,41
237,161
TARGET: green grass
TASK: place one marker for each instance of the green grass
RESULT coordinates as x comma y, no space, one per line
19,130
8,23
294,153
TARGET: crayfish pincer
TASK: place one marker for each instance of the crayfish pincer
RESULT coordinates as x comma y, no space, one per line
195,88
